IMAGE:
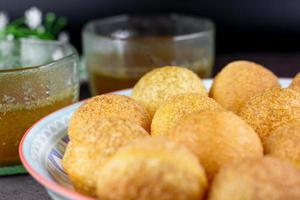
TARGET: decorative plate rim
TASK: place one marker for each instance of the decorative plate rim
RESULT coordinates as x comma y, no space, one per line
52,185
48,184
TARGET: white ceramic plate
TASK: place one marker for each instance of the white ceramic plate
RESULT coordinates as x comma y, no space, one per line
43,146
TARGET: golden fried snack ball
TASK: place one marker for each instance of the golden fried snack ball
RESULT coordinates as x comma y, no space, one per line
295,85
266,178
239,81
107,105
84,158
177,107
76,155
152,169
271,109
158,85
284,143
217,138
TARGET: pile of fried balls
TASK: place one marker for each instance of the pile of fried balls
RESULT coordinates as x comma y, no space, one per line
174,140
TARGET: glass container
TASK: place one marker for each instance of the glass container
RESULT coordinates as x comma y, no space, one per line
36,78
119,50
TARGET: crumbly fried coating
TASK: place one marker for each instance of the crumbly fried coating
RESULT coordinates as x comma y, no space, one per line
284,143
239,81
158,85
152,169
169,114
266,178
217,138
84,158
107,105
271,109
295,85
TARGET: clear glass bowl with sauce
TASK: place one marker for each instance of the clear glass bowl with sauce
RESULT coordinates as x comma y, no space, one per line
36,78
119,50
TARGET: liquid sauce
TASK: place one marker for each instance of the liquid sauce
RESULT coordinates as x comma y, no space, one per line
15,119
119,70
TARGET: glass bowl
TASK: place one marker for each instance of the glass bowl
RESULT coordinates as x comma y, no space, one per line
36,78
119,50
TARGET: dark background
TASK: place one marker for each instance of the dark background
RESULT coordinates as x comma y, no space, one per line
242,26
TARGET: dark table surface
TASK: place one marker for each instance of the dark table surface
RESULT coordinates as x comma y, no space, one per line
23,187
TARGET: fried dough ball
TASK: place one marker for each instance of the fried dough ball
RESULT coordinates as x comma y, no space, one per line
84,158
295,85
177,107
217,138
158,85
105,106
152,169
266,178
239,81
284,143
270,110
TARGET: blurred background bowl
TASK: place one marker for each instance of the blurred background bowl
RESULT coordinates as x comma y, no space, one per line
119,50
